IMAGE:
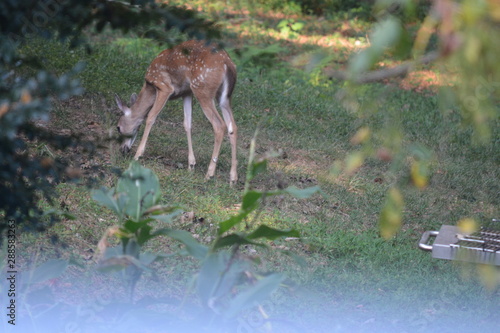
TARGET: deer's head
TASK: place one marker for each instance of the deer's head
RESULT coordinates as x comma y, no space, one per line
128,124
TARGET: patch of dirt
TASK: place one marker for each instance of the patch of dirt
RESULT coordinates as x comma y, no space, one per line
88,119
424,81
299,162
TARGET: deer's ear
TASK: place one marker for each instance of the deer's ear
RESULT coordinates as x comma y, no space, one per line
118,102
133,98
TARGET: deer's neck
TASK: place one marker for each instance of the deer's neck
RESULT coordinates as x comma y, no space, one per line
144,102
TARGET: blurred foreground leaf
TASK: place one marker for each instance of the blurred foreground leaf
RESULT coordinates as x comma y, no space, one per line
392,214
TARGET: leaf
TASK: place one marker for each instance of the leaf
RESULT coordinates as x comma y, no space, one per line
193,247
361,62
48,270
391,214
302,193
473,11
208,277
250,203
467,226
166,218
353,162
131,226
488,275
159,214
257,168
142,187
132,248
255,294
232,239
403,47
386,34
420,168
494,10
105,197
420,174
297,26
218,276
424,33
145,235
264,231
231,222
250,200
282,24
361,136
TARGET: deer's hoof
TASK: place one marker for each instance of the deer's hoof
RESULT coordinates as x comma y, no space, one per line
125,150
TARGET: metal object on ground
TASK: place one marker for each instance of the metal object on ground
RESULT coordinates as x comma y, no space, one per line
449,243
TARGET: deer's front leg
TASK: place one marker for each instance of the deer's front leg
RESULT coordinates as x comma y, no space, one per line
187,126
160,100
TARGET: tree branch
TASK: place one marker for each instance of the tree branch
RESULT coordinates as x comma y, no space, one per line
378,75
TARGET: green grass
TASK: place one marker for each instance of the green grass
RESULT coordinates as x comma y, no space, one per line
353,280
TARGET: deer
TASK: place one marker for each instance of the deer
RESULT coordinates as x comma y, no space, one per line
190,68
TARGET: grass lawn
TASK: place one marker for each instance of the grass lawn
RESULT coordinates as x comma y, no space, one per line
353,280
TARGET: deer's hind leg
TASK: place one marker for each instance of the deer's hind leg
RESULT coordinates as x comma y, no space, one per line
227,113
207,103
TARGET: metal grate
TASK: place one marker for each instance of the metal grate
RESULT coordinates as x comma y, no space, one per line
487,239
481,247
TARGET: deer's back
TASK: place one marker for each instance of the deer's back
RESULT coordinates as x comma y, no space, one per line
190,65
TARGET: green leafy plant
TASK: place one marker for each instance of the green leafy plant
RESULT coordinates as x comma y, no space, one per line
134,201
223,267
290,28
